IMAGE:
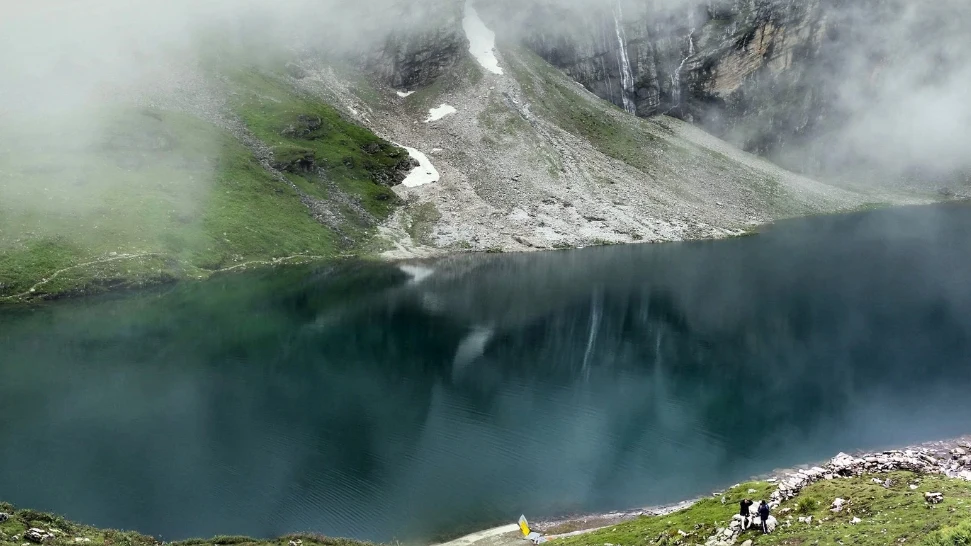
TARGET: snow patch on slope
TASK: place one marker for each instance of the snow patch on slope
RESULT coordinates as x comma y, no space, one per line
482,41
436,114
424,173
404,94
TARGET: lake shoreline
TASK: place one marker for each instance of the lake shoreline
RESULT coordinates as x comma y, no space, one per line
949,458
422,255
593,521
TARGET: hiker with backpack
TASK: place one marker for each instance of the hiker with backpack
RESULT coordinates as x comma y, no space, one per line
764,516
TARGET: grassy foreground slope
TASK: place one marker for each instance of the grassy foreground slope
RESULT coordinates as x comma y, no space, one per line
145,195
887,515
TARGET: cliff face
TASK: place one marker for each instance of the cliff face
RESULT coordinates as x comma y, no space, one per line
422,46
780,78
743,69
817,86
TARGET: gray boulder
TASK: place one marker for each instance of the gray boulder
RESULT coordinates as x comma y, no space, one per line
37,535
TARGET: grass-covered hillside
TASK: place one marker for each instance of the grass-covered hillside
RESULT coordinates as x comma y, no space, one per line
897,514
134,194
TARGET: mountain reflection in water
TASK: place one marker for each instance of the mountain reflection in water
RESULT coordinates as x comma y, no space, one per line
378,401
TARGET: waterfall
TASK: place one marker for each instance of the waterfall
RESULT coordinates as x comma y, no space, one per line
626,76
676,77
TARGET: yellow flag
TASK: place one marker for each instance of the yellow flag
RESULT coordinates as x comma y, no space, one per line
524,525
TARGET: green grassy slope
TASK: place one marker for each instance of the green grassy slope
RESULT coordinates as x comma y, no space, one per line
894,515
304,134
152,196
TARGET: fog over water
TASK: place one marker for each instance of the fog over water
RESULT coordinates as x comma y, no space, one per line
367,401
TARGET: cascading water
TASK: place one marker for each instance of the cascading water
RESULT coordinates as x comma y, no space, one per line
603,67
676,77
626,76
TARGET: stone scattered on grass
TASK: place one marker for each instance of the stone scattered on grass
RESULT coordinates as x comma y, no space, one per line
38,535
934,498
4,517
838,505
854,521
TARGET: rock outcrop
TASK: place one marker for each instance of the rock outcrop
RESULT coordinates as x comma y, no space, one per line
924,460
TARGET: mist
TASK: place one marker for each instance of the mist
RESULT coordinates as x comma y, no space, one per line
904,89
892,76
60,55
84,83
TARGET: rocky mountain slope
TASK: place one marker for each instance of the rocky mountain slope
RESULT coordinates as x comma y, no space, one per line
432,140
529,159
818,86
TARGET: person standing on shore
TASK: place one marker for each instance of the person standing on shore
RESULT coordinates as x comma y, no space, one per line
764,516
745,510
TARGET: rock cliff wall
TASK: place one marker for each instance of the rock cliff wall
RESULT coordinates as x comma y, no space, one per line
426,41
817,86
781,78
744,69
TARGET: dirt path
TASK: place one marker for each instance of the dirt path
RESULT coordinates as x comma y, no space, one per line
56,274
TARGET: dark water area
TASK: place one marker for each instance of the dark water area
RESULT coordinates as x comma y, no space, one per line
363,400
